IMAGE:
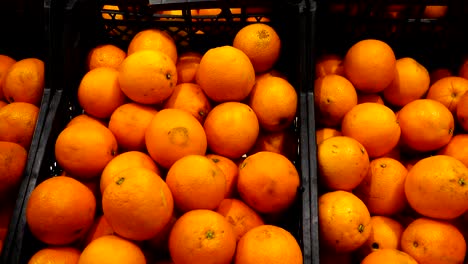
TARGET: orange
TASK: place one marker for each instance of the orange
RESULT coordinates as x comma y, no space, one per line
133,191
105,56
154,39
268,244
325,133
147,77
260,43
126,160
383,188
85,118
344,221
99,92
99,229
431,241
24,81
196,183
242,132
439,73
60,210
274,101
62,255
13,158
425,125
173,134
385,234
129,122
411,82
328,64
240,216
85,149
462,112
18,122
334,96
187,67
388,256
283,142
369,98
342,163
268,182
5,64
370,65
191,98
112,250
202,237
374,125
457,148
226,74
436,187
230,171
433,11
448,91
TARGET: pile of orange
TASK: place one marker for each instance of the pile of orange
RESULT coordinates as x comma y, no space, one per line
179,158
21,89
392,144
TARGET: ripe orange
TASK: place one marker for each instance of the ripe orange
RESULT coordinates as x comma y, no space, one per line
62,255
439,73
240,216
173,134
383,188
230,171
99,92
132,192
126,160
191,98
431,241
85,149
147,77
268,182
344,221
374,125
231,129
385,234
100,228
425,125
24,81
226,74
129,122
196,183
187,67
325,133
283,142
13,158
274,101
5,64
156,40
112,250
388,256
18,122
105,56
267,244
370,65
369,98
436,187
457,148
60,210
448,91
342,163
462,112
410,83
83,118
328,64
202,237
260,43
334,96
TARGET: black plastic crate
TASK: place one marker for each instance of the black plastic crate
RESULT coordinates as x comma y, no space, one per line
25,29
85,28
